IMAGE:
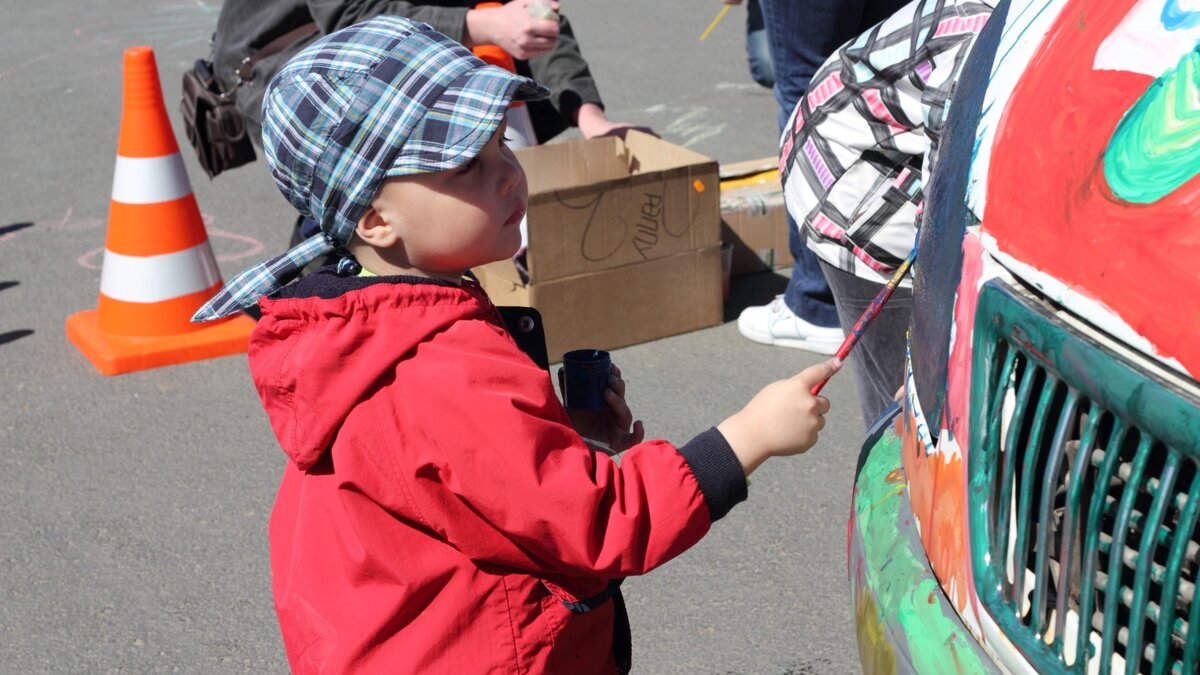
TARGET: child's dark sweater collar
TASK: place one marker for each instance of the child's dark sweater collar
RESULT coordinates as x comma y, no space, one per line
325,283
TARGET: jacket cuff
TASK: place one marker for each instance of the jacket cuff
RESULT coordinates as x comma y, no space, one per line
568,101
718,471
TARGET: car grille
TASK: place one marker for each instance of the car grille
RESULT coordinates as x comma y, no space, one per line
1084,495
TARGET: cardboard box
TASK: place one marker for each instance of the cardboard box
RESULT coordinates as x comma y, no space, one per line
753,216
618,307
603,203
623,242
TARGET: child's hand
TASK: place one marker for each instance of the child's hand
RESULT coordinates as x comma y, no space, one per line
782,419
609,430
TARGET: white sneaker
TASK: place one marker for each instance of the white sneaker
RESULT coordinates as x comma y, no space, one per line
775,324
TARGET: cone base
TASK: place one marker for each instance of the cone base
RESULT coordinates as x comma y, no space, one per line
117,354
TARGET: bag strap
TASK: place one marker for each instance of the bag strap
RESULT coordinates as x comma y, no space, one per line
245,72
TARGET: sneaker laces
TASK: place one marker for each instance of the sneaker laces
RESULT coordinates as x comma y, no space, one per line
777,305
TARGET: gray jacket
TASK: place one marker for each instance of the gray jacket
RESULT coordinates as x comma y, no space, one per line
245,26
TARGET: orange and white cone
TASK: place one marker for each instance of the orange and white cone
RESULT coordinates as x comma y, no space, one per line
158,266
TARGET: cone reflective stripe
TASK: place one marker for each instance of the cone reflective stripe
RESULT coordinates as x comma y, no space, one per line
158,266
188,271
150,180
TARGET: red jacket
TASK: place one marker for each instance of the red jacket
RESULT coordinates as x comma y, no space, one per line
439,514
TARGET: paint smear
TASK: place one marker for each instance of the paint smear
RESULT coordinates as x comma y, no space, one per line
1050,205
915,624
1154,149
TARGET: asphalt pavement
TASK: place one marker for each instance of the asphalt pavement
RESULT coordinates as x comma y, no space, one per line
133,509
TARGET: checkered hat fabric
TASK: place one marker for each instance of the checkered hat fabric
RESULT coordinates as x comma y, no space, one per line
385,97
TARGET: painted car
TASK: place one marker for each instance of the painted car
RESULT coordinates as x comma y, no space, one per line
1031,503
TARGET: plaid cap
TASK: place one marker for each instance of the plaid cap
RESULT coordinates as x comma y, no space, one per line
385,97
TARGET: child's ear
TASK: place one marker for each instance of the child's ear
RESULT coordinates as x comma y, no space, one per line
374,230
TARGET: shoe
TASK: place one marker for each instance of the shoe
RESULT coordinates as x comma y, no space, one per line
775,324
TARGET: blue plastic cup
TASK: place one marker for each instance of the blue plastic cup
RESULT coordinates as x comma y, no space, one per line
583,377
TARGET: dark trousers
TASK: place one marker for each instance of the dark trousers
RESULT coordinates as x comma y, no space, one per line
878,358
801,35
758,55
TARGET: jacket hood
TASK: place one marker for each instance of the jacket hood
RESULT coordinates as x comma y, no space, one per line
326,342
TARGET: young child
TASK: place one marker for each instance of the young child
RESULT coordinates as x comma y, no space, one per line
439,513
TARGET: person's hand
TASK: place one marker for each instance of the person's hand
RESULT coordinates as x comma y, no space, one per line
782,419
613,430
513,28
593,123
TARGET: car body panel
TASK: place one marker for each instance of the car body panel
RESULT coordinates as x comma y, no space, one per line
904,622
1081,192
1087,180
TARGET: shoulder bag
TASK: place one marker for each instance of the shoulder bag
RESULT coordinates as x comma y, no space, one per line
214,125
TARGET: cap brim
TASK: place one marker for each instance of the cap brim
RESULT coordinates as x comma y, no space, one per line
463,120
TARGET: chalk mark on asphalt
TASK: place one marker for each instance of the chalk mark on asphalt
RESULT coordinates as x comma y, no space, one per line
250,246
692,126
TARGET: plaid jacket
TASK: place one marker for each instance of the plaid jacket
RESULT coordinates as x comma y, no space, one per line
863,141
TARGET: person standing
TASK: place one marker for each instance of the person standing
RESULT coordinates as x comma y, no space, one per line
801,34
855,158
542,42
440,511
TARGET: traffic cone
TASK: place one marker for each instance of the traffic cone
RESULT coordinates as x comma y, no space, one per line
158,266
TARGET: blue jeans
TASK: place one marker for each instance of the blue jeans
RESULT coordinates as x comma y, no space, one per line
758,54
801,35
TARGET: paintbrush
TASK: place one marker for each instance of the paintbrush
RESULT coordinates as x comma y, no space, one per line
716,20
869,315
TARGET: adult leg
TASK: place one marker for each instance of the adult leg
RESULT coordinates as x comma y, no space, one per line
806,33
801,35
878,358
758,54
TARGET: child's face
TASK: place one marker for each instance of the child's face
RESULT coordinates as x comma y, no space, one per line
450,221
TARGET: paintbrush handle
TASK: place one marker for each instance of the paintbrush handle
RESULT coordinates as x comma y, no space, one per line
852,339
716,20
867,317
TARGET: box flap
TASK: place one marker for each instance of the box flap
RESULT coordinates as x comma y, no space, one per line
618,307
749,168
650,153
603,203
558,166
